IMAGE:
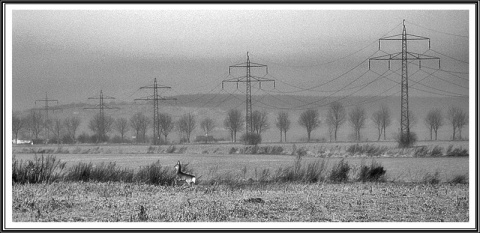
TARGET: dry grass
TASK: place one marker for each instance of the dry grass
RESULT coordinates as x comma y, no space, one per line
321,202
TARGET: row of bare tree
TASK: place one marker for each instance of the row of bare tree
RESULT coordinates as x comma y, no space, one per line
337,115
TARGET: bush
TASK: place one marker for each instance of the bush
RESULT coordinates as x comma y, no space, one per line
406,141
83,138
432,179
158,175
459,179
41,169
369,150
251,139
340,171
457,152
436,151
67,140
373,173
80,172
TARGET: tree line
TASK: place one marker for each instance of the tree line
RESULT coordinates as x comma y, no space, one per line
65,130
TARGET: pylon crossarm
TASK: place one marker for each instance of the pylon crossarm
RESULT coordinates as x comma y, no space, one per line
415,37
158,86
390,37
261,79
233,80
421,56
392,56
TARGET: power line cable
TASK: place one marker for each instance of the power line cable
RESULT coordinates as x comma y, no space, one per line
446,33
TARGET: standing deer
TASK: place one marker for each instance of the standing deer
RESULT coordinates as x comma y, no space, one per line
189,179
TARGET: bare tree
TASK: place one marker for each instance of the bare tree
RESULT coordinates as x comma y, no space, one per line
310,119
458,119
35,123
234,123
18,123
139,123
283,124
186,124
207,125
377,120
434,121
336,116
260,121
101,126
57,129
71,125
122,127
381,119
166,124
386,120
357,120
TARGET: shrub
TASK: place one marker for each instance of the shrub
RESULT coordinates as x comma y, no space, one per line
406,141
232,150
421,151
459,179
340,171
66,139
41,169
156,174
458,152
80,172
369,150
373,173
436,151
171,149
83,138
432,179
251,139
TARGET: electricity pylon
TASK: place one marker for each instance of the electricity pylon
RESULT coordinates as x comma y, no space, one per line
156,97
101,106
248,79
46,100
404,56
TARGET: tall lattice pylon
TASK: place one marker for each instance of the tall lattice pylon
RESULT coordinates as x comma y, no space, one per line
155,98
405,56
46,109
248,79
102,135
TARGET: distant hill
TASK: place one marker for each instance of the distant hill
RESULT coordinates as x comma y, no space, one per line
215,106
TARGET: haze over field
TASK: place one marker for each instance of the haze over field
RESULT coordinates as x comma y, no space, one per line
73,54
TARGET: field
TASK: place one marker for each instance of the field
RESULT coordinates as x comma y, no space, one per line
405,196
401,164
357,202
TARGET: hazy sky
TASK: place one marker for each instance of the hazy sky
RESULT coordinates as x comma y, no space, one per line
73,54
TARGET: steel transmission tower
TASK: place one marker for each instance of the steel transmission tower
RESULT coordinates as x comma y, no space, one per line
46,100
405,56
156,97
101,106
248,79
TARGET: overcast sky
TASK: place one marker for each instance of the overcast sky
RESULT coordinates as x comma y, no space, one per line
74,54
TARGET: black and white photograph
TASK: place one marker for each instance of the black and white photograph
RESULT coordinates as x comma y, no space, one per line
308,116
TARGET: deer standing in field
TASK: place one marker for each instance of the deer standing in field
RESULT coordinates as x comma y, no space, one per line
189,179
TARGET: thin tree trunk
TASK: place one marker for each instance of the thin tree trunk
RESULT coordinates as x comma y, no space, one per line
384,133
431,136
453,138
281,135
285,135
308,133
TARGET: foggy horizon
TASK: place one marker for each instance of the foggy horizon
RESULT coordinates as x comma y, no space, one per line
72,55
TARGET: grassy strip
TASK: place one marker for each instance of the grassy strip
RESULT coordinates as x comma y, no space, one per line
47,169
